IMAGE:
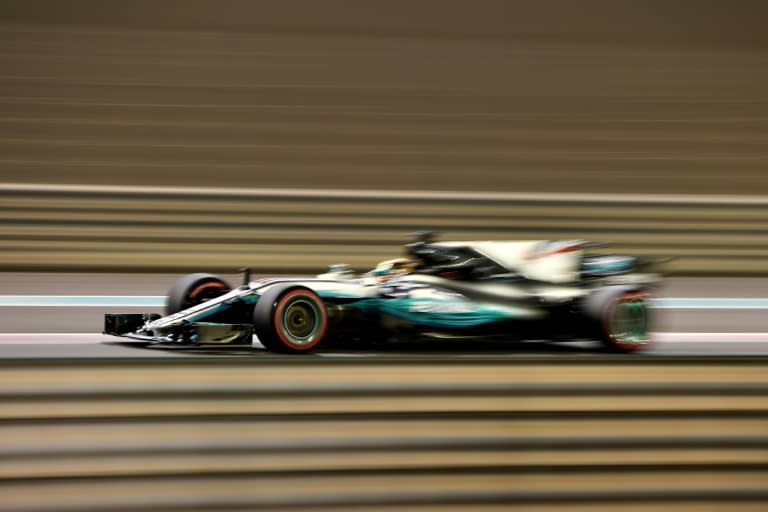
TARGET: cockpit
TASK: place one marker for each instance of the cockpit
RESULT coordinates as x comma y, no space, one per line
388,269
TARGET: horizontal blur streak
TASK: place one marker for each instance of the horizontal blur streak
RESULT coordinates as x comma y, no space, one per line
211,433
299,231
593,96
734,23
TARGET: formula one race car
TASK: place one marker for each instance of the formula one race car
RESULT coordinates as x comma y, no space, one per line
551,289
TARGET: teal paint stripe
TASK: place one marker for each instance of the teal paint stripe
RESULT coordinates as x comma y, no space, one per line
159,300
471,317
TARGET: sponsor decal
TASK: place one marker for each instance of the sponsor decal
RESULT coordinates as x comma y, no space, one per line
437,306
552,247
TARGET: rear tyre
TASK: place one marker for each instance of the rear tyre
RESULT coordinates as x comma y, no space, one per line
194,289
620,318
290,319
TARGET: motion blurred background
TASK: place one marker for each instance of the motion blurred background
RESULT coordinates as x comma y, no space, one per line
649,96
634,97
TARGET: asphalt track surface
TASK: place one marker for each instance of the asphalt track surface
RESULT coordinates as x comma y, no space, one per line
720,327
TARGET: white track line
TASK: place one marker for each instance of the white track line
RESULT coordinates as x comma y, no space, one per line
72,338
79,301
711,337
48,338
117,301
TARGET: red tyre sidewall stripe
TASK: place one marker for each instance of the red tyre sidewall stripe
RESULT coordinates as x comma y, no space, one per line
323,319
212,284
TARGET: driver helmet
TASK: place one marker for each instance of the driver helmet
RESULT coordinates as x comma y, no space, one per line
388,269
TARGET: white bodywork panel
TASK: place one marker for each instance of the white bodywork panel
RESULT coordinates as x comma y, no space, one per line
554,261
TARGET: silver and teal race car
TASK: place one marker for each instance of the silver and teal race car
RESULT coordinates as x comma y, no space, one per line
541,289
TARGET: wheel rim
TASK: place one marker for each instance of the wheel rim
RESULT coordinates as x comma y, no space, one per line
628,321
300,321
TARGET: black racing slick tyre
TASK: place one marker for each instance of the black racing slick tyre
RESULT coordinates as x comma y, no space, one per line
619,317
290,319
194,289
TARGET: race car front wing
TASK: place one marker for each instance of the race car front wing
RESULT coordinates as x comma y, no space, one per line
134,326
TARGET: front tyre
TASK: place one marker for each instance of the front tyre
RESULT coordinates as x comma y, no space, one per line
290,319
194,289
620,319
